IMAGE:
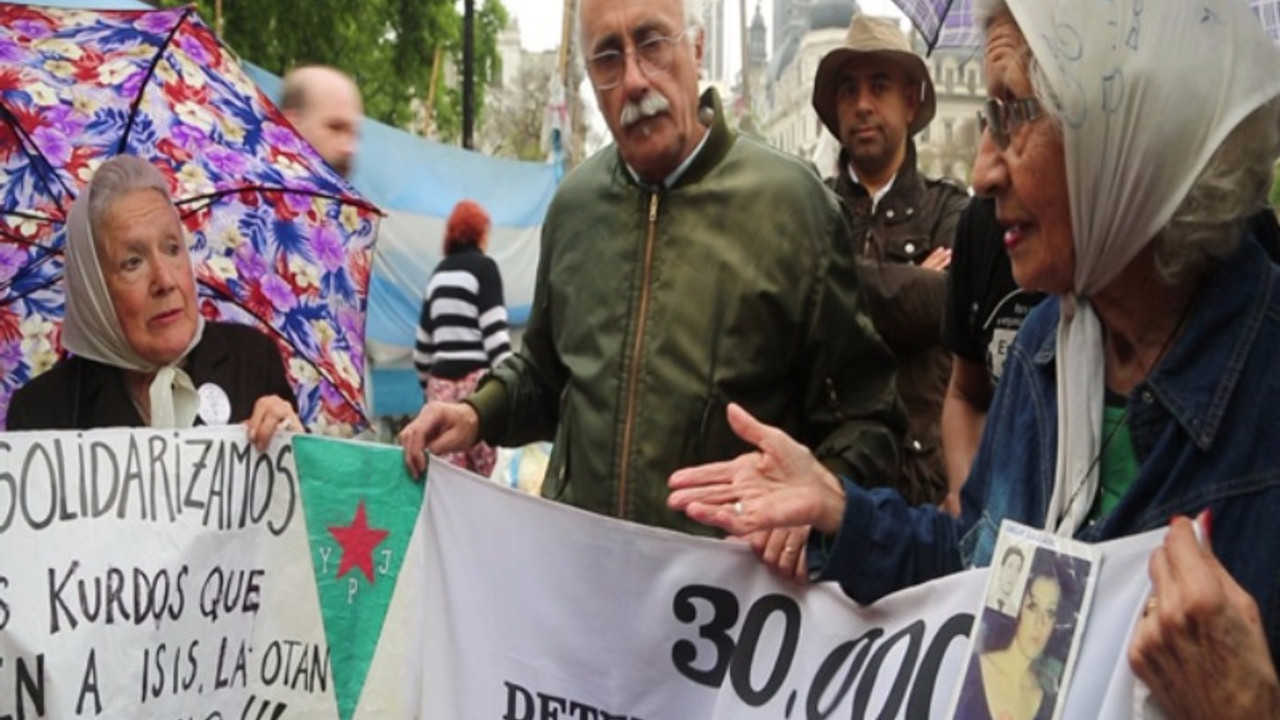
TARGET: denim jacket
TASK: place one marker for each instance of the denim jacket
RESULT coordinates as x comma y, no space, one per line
1204,426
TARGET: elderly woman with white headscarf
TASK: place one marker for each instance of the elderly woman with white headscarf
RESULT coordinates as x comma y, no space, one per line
1124,144
142,354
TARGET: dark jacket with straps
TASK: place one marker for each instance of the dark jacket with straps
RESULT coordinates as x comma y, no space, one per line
80,394
917,215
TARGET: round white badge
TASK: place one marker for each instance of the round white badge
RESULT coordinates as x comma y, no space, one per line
215,406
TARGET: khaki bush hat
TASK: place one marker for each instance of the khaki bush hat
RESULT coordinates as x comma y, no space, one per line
872,36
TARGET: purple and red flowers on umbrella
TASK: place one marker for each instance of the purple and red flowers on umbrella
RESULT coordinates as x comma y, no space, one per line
280,240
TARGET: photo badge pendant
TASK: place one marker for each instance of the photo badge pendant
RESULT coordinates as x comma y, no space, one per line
1028,631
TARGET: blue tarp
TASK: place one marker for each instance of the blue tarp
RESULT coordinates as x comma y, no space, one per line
417,182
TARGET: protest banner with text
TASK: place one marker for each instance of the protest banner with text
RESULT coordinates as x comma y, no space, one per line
150,574
161,574
539,611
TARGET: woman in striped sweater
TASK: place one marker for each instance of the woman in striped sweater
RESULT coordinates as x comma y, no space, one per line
463,329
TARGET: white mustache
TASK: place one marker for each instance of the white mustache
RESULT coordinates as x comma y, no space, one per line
651,104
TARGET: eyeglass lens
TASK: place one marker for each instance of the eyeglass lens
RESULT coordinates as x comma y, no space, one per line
653,56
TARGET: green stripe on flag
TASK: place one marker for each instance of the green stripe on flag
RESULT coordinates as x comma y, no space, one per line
361,507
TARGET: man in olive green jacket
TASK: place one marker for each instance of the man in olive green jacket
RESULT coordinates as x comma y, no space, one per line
685,268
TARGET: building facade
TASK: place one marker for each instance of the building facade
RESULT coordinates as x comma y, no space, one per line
782,102
713,59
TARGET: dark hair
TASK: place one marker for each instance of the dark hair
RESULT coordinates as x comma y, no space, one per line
468,225
1011,551
293,95
1071,574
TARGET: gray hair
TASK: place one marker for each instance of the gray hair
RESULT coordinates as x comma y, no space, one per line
117,177
692,21
693,13
1207,224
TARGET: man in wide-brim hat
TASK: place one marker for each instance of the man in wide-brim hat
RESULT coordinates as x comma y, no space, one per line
874,94
875,49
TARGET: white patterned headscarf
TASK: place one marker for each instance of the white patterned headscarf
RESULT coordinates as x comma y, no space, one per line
91,328
1146,92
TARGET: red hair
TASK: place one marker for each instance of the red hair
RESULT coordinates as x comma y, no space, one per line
468,225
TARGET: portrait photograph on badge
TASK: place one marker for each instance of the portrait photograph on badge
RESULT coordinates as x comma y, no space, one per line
1004,588
1027,632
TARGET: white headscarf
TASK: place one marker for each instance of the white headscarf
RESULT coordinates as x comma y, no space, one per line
91,329
1147,90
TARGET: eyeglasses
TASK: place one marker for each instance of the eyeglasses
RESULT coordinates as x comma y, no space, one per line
654,56
1004,117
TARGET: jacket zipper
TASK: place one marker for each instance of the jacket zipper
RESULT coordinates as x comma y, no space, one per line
633,374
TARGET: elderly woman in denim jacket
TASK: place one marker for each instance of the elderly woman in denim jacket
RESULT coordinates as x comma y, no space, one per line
1145,387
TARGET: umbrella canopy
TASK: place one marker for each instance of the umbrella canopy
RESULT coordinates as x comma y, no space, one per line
950,23
280,241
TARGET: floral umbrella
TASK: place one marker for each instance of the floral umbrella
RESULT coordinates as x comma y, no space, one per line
280,241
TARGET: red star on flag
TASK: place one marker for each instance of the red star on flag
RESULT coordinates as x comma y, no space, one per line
358,541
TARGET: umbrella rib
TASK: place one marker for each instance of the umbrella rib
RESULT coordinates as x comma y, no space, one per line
942,20
23,242
49,254
44,169
359,202
30,216
151,71
10,299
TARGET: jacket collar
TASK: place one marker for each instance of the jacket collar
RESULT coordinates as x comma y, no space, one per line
1201,371
714,147
908,187
719,140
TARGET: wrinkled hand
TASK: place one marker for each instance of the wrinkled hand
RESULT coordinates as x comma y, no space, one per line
781,485
271,413
1201,648
441,427
939,259
782,550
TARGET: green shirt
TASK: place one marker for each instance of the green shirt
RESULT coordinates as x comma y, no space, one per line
1118,466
